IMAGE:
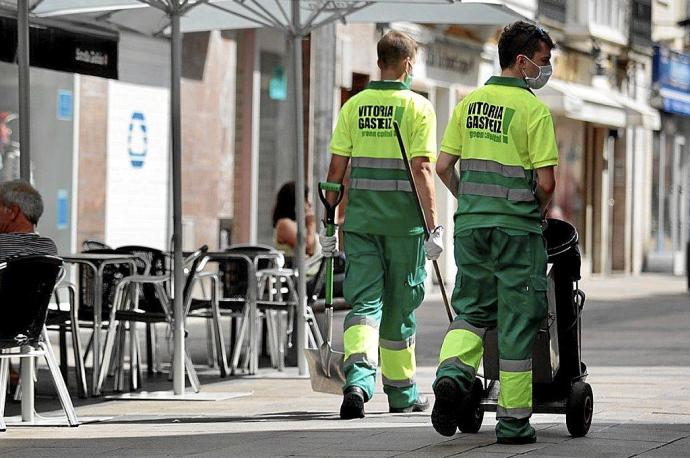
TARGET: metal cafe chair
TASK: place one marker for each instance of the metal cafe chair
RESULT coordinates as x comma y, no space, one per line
65,321
127,312
26,284
94,245
154,262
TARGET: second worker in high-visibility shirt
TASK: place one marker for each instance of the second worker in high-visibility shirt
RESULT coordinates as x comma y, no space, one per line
383,234
503,137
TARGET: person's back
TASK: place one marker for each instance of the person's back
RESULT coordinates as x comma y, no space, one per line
504,139
18,244
21,207
376,164
502,130
384,239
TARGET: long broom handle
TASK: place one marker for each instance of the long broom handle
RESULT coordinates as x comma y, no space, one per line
421,215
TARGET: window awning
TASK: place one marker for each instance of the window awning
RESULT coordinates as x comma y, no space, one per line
583,103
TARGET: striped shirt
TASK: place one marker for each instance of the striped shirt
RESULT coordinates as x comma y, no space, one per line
16,244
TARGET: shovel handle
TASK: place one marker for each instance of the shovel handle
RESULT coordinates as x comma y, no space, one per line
330,230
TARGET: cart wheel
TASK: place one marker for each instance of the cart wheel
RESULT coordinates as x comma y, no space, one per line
471,414
578,411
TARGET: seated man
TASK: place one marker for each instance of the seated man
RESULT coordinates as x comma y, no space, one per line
20,208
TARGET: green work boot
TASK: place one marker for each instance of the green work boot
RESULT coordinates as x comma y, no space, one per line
448,397
353,403
419,405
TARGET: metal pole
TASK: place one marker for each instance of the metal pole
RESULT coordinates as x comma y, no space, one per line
296,40
24,83
176,135
27,378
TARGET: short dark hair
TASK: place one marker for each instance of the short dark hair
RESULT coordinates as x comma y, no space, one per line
285,202
394,47
521,38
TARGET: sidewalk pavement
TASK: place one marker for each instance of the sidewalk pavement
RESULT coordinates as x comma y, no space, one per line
639,411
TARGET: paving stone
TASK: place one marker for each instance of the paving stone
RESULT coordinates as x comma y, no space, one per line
590,447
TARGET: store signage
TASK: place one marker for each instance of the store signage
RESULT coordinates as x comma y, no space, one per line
450,56
671,80
62,50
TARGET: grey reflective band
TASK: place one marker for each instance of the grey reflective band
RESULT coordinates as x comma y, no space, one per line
515,365
462,324
360,321
376,163
455,361
517,413
359,358
397,344
481,165
495,190
368,184
398,383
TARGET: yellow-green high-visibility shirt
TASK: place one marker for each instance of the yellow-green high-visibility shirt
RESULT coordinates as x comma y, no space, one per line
380,199
502,132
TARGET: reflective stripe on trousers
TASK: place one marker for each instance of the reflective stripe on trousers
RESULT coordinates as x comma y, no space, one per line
398,363
361,341
515,395
463,346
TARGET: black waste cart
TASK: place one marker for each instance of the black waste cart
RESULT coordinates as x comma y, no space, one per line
558,372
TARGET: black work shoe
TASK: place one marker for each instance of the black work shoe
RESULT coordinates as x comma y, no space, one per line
353,403
516,440
448,396
419,405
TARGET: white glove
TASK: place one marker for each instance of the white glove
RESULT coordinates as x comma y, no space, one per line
433,247
329,243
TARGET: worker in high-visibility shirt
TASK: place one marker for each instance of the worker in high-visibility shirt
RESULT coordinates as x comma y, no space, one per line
503,137
383,235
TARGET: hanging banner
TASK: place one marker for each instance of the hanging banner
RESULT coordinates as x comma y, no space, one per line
138,166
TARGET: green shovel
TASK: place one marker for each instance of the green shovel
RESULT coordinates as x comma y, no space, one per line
325,364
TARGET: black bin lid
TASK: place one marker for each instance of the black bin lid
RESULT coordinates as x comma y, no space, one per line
560,236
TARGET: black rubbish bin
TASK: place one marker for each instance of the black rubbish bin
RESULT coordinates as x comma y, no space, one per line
562,248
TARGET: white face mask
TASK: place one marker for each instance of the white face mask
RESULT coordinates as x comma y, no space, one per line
539,81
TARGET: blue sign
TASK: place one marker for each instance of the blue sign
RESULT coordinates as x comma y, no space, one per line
671,78
65,105
62,210
137,140
277,86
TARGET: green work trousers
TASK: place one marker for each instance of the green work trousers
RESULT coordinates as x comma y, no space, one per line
501,282
384,283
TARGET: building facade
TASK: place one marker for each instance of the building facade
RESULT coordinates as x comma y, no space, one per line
667,250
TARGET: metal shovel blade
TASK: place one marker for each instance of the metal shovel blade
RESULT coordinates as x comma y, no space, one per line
326,369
